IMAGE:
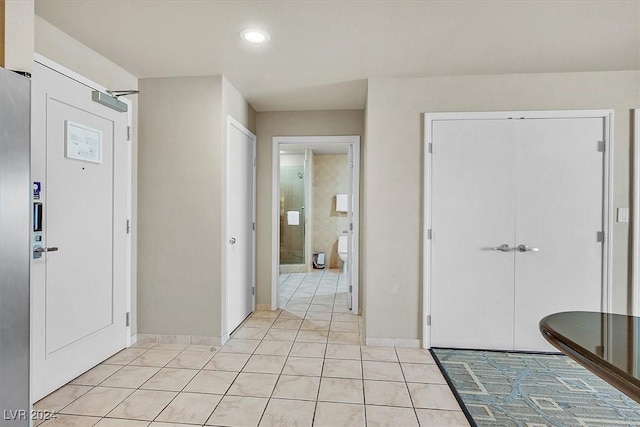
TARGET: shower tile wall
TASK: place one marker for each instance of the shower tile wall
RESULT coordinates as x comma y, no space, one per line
291,199
330,177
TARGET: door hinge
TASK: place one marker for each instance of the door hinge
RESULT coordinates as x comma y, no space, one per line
254,161
351,226
600,237
128,319
430,148
350,288
601,146
128,226
128,133
253,226
253,290
428,320
429,234
351,165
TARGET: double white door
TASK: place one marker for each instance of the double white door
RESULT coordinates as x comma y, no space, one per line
516,211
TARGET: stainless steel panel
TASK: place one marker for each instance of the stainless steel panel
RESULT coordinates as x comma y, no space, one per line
15,250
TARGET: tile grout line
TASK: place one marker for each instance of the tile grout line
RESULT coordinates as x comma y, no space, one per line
92,386
282,369
324,358
320,290
406,386
185,386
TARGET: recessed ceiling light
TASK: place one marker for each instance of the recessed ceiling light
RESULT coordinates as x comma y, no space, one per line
253,35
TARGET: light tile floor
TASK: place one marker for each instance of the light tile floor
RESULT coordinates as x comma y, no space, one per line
302,365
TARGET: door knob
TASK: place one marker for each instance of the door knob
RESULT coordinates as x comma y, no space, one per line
525,248
232,241
503,248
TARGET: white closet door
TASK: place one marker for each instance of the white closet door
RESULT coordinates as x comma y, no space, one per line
472,210
240,218
559,211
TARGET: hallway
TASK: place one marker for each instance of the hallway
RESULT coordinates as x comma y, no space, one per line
317,291
303,364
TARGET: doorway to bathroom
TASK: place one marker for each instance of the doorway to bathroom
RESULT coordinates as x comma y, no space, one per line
315,216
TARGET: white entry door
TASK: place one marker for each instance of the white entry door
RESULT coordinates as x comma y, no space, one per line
517,206
240,223
80,156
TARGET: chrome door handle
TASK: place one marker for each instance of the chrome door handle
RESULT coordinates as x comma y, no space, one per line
503,248
41,250
525,248
232,241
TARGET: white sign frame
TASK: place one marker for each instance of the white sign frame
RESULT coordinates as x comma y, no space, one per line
79,151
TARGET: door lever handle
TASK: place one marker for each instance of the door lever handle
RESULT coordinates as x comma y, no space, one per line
503,248
41,250
525,248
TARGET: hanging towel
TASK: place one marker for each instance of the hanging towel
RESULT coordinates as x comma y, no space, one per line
293,217
341,202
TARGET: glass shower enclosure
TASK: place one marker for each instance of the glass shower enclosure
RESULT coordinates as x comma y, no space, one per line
292,210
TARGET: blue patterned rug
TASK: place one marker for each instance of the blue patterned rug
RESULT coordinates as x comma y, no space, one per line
534,390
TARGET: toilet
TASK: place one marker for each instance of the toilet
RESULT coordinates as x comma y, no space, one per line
343,248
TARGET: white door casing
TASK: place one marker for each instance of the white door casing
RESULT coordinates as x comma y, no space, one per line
353,198
79,294
352,143
635,253
240,233
566,238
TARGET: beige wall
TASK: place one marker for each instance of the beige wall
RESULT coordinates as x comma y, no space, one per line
330,177
182,189
2,32
288,123
18,35
237,107
179,206
393,160
65,50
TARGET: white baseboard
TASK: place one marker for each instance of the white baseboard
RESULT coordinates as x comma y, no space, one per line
176,339
224,339
393,342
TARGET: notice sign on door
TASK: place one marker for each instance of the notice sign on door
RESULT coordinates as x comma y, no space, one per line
83,143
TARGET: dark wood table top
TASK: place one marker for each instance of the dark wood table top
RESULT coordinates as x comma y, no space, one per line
606,344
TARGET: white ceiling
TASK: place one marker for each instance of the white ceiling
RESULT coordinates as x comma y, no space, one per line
322,52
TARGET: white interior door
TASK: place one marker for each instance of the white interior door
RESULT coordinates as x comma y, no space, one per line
240,223
472,211
80,155
351,301
559,211
354,227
